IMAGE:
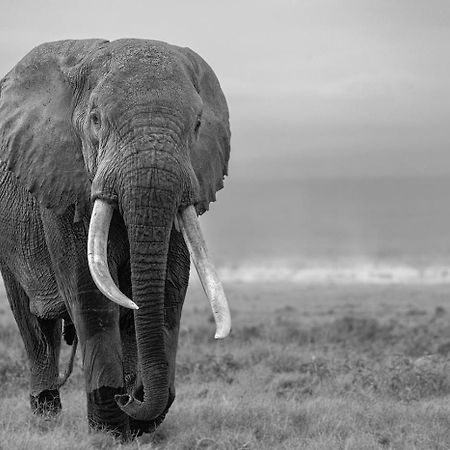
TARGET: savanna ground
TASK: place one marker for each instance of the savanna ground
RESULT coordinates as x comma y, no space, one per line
361,367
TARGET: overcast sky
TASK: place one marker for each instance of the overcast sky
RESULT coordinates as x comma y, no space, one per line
315,87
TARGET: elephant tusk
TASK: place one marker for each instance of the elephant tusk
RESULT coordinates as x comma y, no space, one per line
97,254
192,233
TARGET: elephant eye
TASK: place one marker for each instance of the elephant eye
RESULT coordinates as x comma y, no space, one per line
95,119
197,126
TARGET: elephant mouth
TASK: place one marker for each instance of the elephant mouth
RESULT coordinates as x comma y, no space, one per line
187,222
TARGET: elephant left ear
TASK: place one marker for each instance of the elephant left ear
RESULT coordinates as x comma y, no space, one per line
37,139
211,152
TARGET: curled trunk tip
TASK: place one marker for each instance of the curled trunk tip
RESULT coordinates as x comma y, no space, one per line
136,409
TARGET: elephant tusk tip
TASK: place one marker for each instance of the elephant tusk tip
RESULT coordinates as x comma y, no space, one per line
222,334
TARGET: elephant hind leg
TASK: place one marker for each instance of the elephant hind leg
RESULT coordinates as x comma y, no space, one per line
42,340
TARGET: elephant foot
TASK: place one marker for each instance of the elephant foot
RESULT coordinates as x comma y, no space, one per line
47,402
104,414
139,427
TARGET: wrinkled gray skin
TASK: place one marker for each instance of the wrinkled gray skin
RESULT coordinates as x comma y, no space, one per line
144,126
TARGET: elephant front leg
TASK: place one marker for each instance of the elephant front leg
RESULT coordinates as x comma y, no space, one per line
44,379
96,321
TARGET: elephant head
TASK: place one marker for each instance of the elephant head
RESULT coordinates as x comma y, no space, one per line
136,126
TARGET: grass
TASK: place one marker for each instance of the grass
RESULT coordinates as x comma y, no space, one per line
306,368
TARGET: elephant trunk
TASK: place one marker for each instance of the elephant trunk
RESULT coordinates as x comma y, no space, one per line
149,200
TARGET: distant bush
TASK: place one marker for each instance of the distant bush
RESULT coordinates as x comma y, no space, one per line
424,378
209,368
357,330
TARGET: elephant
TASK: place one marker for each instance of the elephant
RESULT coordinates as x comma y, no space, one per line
109,152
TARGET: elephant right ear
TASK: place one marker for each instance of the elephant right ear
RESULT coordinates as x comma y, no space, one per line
37,138
211,152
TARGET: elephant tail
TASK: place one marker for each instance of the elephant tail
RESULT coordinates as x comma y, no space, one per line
62,380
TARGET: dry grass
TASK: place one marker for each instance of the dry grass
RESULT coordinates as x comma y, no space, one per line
306,368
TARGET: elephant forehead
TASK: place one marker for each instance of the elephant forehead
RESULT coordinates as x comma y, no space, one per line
144,70
154,58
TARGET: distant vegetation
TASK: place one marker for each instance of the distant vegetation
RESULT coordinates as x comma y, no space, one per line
306,368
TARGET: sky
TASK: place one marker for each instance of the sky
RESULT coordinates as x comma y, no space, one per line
346,90
315,87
